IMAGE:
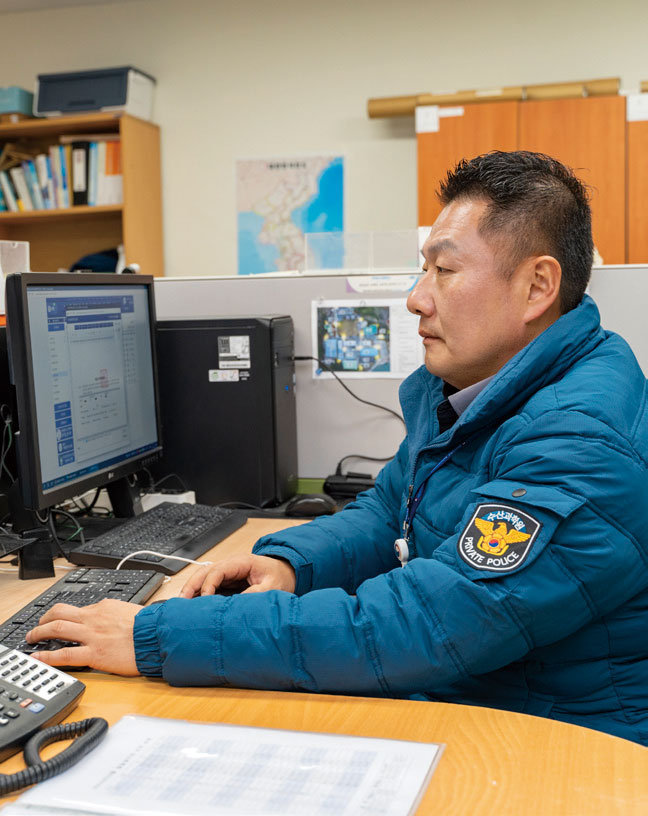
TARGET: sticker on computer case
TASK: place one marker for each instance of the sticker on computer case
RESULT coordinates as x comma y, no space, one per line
234,351
217,375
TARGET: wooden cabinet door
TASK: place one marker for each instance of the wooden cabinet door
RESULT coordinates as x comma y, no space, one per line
589,136
479,128
637,192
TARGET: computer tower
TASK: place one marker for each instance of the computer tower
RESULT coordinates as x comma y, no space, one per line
227,404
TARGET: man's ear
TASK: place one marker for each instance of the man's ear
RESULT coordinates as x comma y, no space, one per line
542,277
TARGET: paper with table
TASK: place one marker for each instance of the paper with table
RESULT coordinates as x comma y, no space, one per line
148,766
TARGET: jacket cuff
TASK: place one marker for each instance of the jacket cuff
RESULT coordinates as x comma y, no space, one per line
146,641
303,568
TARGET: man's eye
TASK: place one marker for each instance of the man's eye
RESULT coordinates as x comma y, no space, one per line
442,269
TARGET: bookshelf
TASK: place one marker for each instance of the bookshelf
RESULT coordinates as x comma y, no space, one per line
58,238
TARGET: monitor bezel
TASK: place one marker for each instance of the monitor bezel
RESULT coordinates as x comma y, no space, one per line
22,376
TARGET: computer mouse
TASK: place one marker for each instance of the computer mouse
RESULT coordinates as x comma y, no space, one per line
308,505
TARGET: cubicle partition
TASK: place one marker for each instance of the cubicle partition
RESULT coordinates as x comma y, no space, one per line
621,293
330,424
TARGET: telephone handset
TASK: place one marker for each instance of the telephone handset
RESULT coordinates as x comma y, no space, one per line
33,696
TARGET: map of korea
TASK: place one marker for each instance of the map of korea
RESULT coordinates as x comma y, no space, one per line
280,200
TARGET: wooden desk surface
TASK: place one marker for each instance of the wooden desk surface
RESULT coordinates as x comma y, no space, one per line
495,762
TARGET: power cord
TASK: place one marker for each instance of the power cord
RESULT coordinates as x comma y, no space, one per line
6,418
52,528
153,485
346,387
338,469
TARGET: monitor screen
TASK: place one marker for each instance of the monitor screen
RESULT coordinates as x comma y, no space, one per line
83,357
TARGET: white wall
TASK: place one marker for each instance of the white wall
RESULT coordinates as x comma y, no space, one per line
258,78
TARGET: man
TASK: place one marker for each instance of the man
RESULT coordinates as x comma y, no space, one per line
518,501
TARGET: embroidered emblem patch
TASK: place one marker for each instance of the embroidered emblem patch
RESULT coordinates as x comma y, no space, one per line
498,538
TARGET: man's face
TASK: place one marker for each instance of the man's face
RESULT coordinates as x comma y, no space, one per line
471,310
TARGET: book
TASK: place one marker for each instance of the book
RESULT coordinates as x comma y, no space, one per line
92,174
44,173
67,150
80,163
29,169
113,183
103,176
65,194
101,173
55,164
22,191
8,191
3,206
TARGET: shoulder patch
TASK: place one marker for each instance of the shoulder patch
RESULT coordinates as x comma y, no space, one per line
498,538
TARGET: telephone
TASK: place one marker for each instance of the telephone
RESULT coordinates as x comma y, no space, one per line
33,696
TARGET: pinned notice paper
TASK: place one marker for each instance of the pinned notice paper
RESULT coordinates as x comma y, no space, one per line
148,766
426,119
637,107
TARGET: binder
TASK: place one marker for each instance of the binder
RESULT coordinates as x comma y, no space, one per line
80,172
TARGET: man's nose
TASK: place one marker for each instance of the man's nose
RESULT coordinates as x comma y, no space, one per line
420,300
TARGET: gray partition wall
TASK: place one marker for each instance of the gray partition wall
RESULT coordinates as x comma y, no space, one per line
621,293
330,424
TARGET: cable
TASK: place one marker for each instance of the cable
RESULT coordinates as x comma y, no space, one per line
79,528
86,509
170,476
338,469
89,732
55,538
239,505
5,416
162,555
346,388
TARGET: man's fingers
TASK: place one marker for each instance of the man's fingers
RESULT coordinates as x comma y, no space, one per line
57,630
264,586
192,586
68,656
206,581
62,612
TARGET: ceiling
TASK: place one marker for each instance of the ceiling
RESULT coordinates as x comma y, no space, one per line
39,5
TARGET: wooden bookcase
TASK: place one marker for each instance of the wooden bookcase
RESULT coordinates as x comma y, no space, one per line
58,238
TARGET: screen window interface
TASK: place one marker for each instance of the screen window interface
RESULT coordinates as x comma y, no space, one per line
93,379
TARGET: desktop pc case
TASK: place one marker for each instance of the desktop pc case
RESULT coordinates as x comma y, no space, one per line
227,403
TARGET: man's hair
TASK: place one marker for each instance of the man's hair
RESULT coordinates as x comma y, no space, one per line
538,204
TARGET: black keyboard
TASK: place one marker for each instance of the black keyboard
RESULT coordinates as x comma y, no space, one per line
187,530
81,587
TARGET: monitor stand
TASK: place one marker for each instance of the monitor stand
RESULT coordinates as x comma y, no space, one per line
35,558
122,494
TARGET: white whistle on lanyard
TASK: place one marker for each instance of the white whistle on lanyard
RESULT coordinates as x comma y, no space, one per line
401,549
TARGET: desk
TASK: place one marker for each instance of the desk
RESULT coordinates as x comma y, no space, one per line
495,762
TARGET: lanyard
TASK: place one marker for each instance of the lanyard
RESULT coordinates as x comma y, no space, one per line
401,545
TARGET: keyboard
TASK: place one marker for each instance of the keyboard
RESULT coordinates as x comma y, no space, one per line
187,530
81,587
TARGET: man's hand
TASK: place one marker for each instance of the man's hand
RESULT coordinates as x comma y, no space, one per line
104,631
256,572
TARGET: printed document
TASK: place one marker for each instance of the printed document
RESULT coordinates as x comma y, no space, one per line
155,766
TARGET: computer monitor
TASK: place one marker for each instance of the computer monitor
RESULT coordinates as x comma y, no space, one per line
82,359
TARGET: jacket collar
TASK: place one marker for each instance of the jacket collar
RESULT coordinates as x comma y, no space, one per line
543,361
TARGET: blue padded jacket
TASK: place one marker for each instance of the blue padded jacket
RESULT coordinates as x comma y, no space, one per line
527,587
